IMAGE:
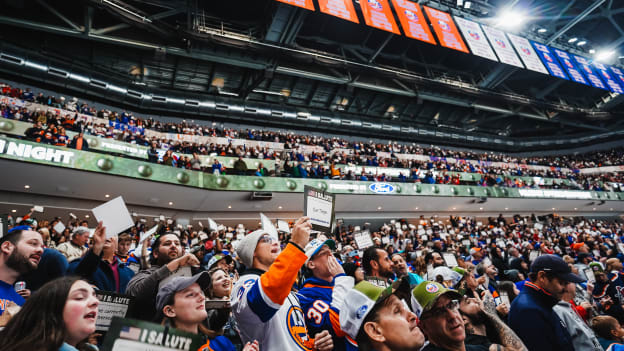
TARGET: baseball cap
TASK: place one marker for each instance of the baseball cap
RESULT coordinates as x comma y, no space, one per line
180,283
447,274
362,299
555,265
218,257
596,267
315,245
427,293
247,246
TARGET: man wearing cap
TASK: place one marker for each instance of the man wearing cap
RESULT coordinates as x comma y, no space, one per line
20,252
75,248
262,302
222,261
442,323
380,319
532,316
322,295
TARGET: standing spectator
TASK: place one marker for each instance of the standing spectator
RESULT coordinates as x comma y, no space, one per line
217,167
152,153
100,266
59,316
532,316
262,303
79,142
20,252
322,295
240,168
75,248
166,258
377,267
583,337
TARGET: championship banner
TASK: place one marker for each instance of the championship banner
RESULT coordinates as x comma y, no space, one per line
340,8
527,54
588,71
502,46
607,78
413,21
445,29
549,60
618,73
570,67
475,38
377,13
306,4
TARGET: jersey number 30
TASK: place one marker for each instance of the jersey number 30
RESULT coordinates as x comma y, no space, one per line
315,313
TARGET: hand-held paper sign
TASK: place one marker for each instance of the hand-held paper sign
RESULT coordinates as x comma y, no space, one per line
268,226
115,216
130,334
319,206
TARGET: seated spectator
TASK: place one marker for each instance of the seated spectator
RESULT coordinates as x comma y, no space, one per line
100,266
52,265
59,316
608,331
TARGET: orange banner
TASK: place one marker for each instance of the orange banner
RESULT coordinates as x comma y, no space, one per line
339,8
413,21
445,29
306,4
377,14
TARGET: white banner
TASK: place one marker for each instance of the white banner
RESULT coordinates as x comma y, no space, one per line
502,46
527,54
475,38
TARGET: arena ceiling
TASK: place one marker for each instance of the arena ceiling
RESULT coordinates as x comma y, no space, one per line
268,52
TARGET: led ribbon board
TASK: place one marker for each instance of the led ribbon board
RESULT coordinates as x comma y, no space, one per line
527,54
377,14
618,73
475,38
413,21
306,4
550,61
340,8
607,78
589,73
502,46
445,29
567,63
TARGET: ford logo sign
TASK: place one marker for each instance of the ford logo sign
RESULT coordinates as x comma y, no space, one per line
381,188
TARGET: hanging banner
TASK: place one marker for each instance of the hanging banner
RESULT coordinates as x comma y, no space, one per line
618,73
588,71
306,4
340,8
475,38
607,78
549,60
527,54
377,14
413,21
501,45
570,67
445,29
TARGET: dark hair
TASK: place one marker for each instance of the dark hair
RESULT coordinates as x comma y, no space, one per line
210,273
369,255
39,324
124,237
361,338
508,287
156,246
13,237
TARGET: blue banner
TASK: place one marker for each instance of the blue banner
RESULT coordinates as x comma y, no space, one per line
618,73
573,71
607,78
549,60
123,126
588,71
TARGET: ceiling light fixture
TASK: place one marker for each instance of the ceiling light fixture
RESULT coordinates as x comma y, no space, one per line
170,203
107,196
510,19
86,216
572,40
542,30
26,186
13,211
581,43
604,55
592,51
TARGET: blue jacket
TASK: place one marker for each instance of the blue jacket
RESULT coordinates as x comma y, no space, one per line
532,317
99,273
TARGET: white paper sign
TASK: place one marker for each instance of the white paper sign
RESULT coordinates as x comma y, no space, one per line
38,208
181,272
502,46
268,226
148,233
363,240
319,207
212,225
59,227
450,259
114,215
475,38
282,226
111,305
527,54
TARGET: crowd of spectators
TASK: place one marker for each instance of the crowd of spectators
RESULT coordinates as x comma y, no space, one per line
458,283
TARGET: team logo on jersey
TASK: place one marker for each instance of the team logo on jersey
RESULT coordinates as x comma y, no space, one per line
375,4
445,27
411,16
431,288
474,35
500,43
295,322
361,311
246,285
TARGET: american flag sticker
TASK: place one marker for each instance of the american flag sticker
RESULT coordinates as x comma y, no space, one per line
130,333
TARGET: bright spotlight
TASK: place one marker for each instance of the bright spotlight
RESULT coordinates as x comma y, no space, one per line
510,19
592,51
542,30
604,55
572,40
581,43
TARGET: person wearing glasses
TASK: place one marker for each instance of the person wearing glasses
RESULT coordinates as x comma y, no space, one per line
262,302
442,323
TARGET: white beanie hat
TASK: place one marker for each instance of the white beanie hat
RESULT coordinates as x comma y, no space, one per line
246,248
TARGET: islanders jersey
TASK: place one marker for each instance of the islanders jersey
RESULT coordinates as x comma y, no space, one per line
265,308
321,302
